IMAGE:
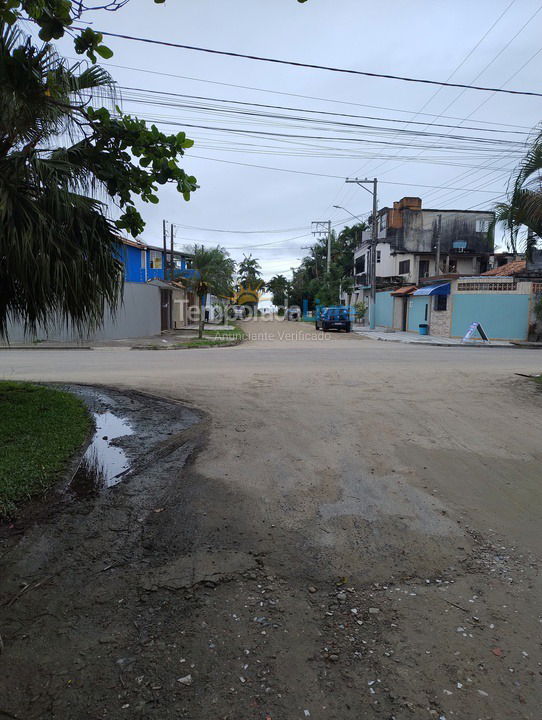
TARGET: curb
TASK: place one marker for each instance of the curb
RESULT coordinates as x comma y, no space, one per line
452,345
233,343
46,347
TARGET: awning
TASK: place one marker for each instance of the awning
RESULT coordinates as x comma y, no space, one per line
443,289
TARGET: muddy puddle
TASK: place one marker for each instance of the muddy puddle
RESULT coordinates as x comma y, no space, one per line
128,428
103,464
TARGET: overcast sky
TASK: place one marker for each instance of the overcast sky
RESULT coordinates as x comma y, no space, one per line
421,39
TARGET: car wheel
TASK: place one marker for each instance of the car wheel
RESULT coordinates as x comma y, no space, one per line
348,327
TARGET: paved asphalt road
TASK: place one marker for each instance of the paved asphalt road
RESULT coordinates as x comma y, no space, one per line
391,495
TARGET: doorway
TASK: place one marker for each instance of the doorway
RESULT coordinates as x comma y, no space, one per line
165,309
404,314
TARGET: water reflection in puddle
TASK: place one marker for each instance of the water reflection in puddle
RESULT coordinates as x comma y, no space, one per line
103,464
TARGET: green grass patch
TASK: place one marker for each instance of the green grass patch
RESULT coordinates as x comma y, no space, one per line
208,342
40,430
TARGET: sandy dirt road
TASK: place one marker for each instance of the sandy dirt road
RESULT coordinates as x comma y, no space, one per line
357,536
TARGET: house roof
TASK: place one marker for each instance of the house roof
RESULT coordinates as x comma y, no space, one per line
168,250
133,243
407,290
511,268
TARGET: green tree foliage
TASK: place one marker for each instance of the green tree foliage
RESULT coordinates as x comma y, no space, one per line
312,282
524,204
55,18
279,287
212,272
360,308
249,279
57,242
250,272
59,153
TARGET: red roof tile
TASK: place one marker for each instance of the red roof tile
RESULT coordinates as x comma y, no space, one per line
511,268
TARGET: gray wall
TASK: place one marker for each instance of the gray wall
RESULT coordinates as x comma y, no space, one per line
138,316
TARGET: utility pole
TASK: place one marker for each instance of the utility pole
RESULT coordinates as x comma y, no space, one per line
172,261
164,234
439,221
323,227
374,241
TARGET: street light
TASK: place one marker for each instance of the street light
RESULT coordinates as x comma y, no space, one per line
340,207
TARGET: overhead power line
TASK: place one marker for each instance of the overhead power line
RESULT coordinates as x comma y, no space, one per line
299,95
312,66
226,102
334,177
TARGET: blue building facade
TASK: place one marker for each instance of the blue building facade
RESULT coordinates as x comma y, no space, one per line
146,262
134,258
502,305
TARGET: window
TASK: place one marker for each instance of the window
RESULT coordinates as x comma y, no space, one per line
441,303
482,226
460,244
383,221
360,265
404,267
378,256
424,268
156,260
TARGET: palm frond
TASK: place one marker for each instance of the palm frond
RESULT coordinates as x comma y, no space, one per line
57,245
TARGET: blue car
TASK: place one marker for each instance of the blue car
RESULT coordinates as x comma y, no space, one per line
338,317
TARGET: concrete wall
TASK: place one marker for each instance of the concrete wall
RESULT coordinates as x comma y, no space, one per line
503,316
138,316
384,309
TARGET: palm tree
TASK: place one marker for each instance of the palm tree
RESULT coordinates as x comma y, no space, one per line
527,193
250,282
249,270
279,285
56,243
524,207
506,213
211,272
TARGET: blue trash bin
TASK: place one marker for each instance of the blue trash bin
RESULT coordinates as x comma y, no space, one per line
424,329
